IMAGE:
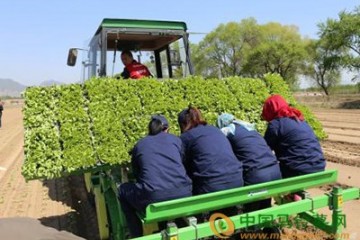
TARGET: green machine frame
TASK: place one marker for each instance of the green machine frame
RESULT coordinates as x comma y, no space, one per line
113,225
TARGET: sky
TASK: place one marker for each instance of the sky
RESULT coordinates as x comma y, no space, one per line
37,34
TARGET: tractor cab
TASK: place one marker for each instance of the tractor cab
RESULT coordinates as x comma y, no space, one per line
162,46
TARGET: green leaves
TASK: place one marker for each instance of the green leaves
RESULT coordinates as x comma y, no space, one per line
43,155
73,127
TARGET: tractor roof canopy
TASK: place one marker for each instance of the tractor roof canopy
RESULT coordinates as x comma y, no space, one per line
147,35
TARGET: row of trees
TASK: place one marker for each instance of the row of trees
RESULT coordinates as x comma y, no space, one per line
249,49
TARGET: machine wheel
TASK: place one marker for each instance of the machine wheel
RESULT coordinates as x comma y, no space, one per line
272,231
91,199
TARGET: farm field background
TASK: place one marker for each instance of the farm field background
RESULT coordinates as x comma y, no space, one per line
62,204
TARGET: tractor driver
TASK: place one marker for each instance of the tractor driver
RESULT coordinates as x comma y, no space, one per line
133,69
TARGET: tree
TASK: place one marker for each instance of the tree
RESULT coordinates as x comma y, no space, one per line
344,33
223,51
323,65
202,65
280,50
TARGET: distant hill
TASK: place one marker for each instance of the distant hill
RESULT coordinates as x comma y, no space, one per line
9,87
50,83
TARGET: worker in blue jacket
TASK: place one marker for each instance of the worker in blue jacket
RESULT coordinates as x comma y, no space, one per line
259,163
292,139
159,172
209,159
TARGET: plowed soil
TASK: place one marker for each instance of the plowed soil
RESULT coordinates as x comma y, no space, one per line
60,204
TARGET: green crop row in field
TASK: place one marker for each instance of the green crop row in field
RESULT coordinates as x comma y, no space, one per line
73,127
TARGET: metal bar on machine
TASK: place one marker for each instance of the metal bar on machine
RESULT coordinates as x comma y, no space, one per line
205,230
212,201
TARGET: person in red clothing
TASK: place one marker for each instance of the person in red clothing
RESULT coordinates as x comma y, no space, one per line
133,69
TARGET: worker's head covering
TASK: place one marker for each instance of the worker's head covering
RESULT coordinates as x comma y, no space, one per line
275,106
162,119
226,122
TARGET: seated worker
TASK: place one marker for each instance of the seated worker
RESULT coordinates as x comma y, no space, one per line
133,69
292,139
209,159
259,163
159,172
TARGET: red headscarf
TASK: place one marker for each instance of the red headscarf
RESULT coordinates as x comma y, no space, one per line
275,106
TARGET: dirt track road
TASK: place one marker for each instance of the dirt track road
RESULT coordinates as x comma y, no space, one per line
48,201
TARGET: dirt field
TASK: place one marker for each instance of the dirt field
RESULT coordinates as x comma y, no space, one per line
56,203
62,204
343,129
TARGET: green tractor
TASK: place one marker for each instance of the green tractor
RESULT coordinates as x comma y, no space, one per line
165,47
